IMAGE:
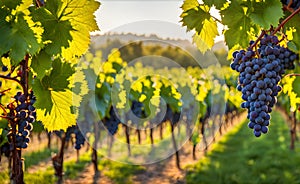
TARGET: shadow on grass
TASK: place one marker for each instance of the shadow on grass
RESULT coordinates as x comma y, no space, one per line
242,158
36,157
119,172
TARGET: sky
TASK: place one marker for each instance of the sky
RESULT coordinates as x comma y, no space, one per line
161,17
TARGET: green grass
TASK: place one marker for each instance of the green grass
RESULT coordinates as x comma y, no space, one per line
71,171
116,171
242,158
4,176
30,159
36,157
119,172
40,177
73,168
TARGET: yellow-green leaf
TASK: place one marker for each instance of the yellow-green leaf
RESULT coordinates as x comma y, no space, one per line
205,39
61,116
189,4
80,14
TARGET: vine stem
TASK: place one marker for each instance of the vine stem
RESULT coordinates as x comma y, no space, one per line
288,7
4,91
277,29
25,72
286,20
39,3
1,106
10,78
216,19
292,74
258,39
6,117
17,169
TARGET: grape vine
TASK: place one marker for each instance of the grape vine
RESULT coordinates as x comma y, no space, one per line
37,67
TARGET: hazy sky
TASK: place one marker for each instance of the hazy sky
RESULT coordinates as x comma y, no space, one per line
142,17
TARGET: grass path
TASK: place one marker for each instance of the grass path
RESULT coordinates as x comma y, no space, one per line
239,157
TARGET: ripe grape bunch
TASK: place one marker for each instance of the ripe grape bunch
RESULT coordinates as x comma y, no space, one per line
79,137
260,73
112,122
25,115
79,142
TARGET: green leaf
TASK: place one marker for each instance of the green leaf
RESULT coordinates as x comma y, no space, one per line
41,63
266,13
17,37
200,19
61,115
218,3
189,4
239,25
205,39
59,78
67,25
43,95
202,109
57,32
195,19
103,99
294,25
10,4
82,18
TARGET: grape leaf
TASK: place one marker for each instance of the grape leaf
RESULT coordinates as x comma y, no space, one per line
205,39
10,4
67,26
57,81
239,24
103,99
59,78
57,31
57,106
61,116
189,4
205,26
41,63
218,3
81,16
43,96
266,13
17,37
195,18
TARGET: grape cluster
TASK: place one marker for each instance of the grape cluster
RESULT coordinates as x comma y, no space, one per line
137,109
5,149
258,80
176,117
25,114
171,116
79,139
111,122
136,113
68,133
295,4
4,69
